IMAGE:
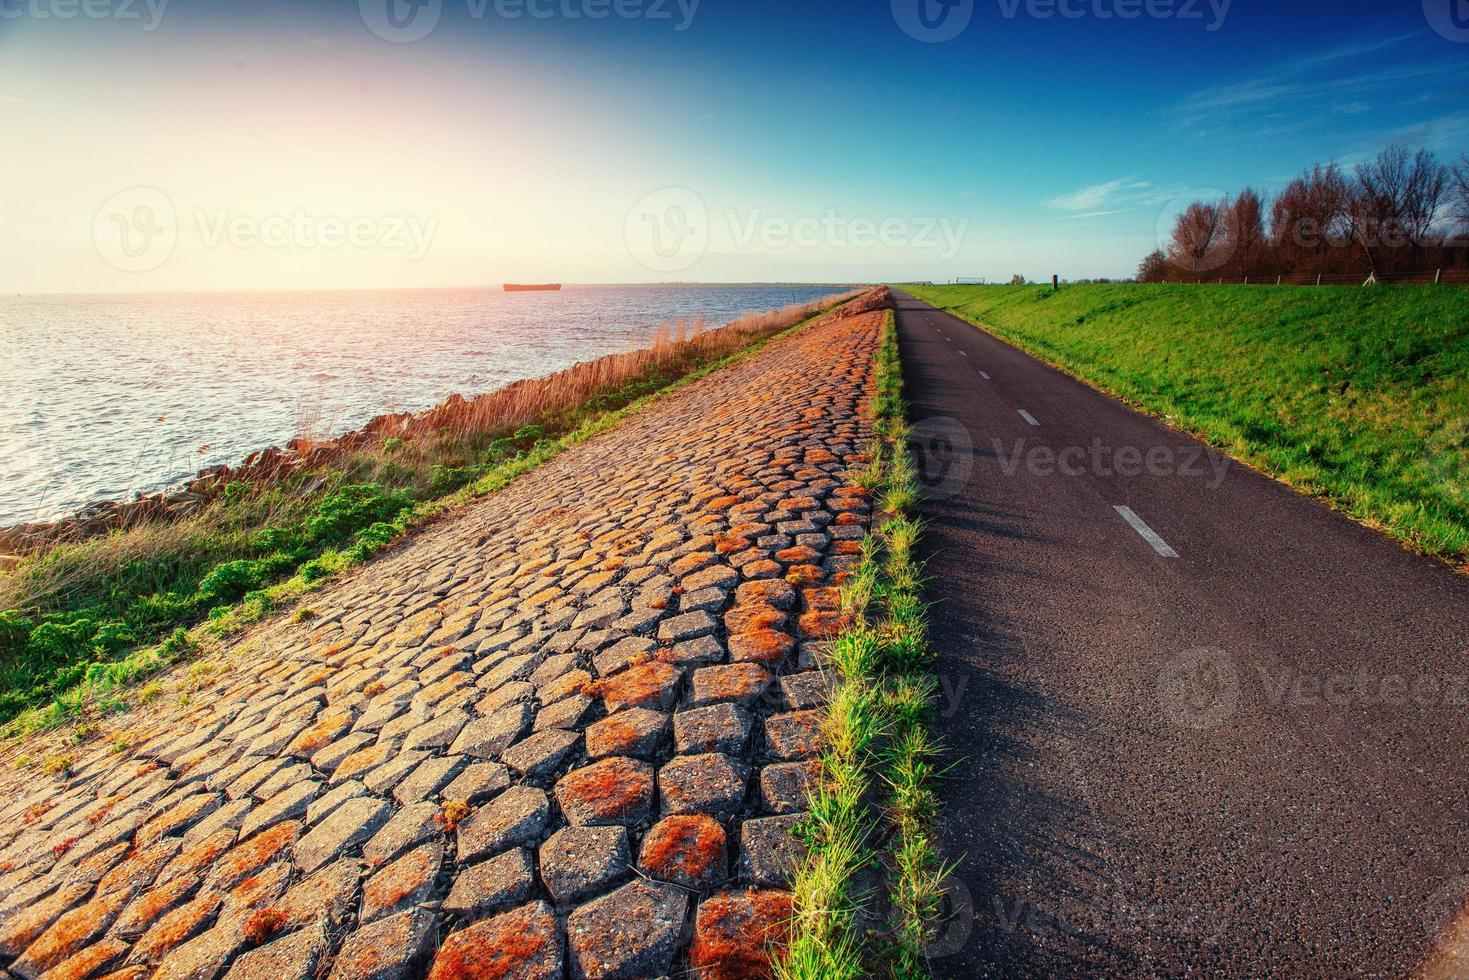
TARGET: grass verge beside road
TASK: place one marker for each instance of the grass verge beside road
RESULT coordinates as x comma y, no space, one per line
1357,396
877,773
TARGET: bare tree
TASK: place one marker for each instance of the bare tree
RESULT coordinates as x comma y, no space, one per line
1245,232
1154,268
1309,219
1396,205
1200,240
1460,192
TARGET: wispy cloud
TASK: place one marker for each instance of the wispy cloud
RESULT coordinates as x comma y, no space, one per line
1351,79
1099,195
1094,214
1112,197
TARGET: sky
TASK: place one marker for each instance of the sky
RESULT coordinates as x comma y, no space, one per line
168,145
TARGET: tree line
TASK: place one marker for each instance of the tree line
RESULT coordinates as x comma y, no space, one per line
1403,212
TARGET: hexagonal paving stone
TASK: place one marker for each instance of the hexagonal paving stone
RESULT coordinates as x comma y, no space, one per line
630,933
491,886
578,862
768,852
523,944
406,882
513,819
618,790
639,732
784,786
711,783
794,735
387,949
737,933
688,850
713,728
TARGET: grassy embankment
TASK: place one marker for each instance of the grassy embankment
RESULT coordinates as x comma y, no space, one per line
1357,396
877,773
80,621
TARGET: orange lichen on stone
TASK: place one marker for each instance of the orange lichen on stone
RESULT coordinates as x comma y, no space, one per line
640,686
762,646
804,574
321,734
825,599
263,924
451,814
202,853
608,788
496,948
847,548
722,503
822,625
89,961
737,935
62,846
177,926
374,689
617,736
799,555
683,847
848,519
254,854
750,616
726,544
34,812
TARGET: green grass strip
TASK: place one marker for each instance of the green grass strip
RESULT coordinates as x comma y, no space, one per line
103,688
878,769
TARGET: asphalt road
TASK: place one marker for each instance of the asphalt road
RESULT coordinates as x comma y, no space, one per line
1225,730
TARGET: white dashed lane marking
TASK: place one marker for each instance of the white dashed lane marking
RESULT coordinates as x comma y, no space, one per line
1147,533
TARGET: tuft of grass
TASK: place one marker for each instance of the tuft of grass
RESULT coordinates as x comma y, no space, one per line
80,620
1359,397
878,769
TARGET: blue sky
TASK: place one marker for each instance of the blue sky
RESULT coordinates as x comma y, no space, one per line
736,139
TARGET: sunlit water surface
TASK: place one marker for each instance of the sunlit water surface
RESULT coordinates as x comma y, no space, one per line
105,396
